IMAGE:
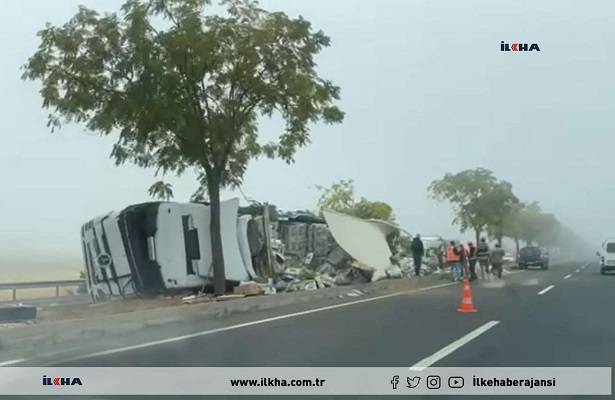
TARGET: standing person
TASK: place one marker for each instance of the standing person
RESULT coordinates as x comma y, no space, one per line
472,260
482,254
453,259
440,256
497,260
418,252
463,260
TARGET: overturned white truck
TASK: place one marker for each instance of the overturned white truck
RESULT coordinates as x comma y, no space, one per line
160,246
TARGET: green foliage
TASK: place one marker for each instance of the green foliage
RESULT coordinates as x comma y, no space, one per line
306,274
161,190
497,207
511,226
183,88
340,197
527,222
478,199
549,230
482,202
373,210
530,222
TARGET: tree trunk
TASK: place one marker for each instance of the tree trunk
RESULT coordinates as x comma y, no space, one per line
213,189
477,233
517,244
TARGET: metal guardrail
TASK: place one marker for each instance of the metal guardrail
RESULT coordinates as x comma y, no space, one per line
44,284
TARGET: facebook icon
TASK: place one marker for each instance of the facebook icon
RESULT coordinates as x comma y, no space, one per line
395,381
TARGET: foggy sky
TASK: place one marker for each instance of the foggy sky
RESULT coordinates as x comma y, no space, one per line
426,91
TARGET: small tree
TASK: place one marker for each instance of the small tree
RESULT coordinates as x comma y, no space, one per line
366,209
187,94
340,197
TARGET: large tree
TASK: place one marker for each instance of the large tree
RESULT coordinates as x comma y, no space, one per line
477,198
548,231
183,88
512,225
529,222
497,206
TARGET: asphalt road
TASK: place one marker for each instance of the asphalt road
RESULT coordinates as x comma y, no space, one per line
570,324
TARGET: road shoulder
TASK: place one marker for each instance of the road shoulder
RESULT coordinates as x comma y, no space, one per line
52,336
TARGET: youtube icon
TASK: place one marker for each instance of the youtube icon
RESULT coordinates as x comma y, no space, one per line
455,382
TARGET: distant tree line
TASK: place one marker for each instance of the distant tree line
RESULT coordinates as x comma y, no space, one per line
481,203
488,206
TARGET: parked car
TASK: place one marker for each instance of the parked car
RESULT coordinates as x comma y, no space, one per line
533,256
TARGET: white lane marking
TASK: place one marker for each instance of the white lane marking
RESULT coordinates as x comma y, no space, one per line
247,324
440,354
11,362
577,271
545,290
583,267
567,276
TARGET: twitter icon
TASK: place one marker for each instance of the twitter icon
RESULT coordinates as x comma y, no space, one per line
414,382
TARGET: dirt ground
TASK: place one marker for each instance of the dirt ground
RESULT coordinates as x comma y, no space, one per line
81,311
13,275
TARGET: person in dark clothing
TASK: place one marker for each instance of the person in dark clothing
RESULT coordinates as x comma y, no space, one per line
418,252
483,253
440,256
472,261
463,259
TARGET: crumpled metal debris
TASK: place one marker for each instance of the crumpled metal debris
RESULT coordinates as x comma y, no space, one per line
314,260
196,298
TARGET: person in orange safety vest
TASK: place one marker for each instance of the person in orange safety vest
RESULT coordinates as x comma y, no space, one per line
453,260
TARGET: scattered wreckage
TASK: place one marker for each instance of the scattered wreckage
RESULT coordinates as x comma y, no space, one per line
162,247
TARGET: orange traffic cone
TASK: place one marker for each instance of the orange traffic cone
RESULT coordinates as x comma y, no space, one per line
466,299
